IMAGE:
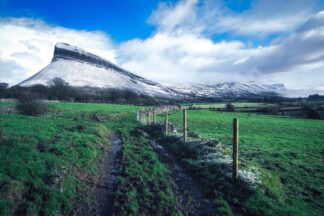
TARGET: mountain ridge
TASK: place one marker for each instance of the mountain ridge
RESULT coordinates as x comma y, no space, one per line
80,68
66,51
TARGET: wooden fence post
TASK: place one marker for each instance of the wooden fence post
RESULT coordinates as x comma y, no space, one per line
154,119
166,123
144,117
184,125
149,117
235,147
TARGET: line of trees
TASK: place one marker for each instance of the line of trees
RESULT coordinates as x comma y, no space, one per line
60,90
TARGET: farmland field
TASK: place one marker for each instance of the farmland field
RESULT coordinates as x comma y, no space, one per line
235,104
290,149
299,109
95,107
49,162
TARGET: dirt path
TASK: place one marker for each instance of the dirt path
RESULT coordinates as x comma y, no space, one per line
191,195
101,198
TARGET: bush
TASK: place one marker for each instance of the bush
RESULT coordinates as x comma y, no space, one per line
229,107
2,134
311,112
3,88
29,104
268,110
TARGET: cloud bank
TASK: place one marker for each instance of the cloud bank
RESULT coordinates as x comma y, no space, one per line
184,49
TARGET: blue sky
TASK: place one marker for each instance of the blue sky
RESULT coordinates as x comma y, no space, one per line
267,41
122,19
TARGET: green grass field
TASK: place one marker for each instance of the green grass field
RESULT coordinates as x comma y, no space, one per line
42,158
235,104
6,104
95,107
46,161
291,149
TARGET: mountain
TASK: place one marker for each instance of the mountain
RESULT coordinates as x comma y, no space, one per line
230,89
80,68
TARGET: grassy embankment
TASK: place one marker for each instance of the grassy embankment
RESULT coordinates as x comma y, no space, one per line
46,161
288,153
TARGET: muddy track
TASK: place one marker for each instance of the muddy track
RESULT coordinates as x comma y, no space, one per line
101,197
190,192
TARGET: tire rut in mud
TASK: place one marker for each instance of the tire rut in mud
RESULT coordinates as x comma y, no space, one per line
190,192
101,197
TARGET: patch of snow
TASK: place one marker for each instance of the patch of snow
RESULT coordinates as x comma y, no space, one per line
250,175
218,158
80,74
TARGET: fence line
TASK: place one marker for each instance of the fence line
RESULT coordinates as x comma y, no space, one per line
148,115
141,116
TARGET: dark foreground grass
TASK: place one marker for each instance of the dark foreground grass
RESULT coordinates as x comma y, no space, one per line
291,151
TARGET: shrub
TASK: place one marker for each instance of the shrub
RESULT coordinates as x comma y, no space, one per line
268,110
2,134
311,112
29,104
229,107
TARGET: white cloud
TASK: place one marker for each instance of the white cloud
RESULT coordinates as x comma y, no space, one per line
167,57
179,53
213,16
170,18
27,45
263,18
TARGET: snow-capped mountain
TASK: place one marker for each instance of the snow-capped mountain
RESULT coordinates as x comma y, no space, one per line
80,68
230,89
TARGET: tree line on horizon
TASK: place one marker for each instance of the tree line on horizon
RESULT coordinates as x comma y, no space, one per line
61,91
